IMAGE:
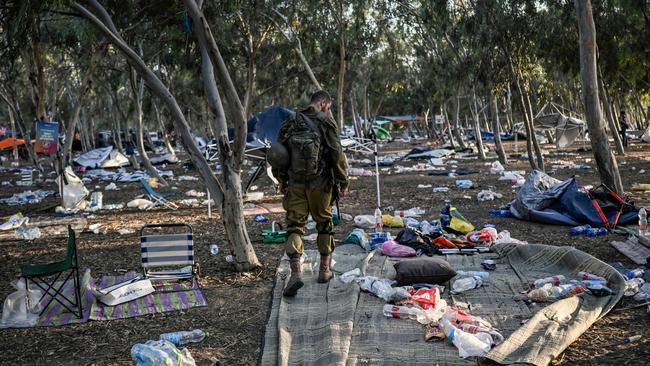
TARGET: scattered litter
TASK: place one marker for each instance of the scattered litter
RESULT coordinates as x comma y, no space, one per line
187,177
14,222
153,353
488,195
194,193
360,172
497,168
111,187
189,202
441,190
464,184
260,218
311,237
489,264
28,233
27,197
505,238
424,185
114,206
94,228
126,231
140,203
22,307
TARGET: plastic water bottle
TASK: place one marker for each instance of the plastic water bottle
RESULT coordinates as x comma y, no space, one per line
578,230
643,222
635,273
633,286
483,275
468,345
402,312
184,337
553,280
379,223
500,213
445,214
214,249
466,283
593,232
589,276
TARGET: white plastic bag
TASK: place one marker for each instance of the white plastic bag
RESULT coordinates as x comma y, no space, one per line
160,353
74,191
364,221
497,168
21,308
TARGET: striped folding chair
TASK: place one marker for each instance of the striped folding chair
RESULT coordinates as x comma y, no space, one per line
167,256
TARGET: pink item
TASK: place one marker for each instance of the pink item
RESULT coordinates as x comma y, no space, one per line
392,249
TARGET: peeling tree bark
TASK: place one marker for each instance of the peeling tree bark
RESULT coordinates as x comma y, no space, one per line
605,160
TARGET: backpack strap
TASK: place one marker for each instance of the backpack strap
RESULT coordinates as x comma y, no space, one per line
311,124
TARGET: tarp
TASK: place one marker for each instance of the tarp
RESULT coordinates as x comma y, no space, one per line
567,129
489,136
547,200
104,157
9,143
427,153
337,324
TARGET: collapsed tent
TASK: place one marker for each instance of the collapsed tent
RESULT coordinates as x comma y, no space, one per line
489,136
567,129
427,153
104,157
547,200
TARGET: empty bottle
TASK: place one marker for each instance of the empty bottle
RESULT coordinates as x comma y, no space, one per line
184,337
589,276
579,229
445,214
468,345
635,273
633,286
379,223
595,232
401,312
412,212
643,222
466,283
214,249
484,275
501,213
553,280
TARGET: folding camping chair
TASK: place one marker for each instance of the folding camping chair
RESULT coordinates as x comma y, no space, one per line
158,199
167,251
38,273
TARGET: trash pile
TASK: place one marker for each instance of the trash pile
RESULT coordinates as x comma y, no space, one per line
27,197
165,350
554,288
450,234
417,296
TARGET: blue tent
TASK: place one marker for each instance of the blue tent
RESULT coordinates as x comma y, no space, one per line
266,125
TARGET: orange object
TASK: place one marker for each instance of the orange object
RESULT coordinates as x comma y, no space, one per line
9,143
443,242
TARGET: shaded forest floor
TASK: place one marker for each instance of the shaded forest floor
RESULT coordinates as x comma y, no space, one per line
238,303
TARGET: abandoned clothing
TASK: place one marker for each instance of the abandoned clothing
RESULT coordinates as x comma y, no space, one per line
299,203
334,162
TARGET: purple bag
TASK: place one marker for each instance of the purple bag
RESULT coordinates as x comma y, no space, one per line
392,249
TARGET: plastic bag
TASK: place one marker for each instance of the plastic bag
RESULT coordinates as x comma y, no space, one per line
497,168
73,189
21,308
364,221
392,249
157,353
459,223
140,203
382,288
505,238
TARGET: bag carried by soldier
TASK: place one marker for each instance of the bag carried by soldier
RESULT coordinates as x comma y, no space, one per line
305,147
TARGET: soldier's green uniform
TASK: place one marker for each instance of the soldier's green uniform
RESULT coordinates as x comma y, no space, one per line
314,196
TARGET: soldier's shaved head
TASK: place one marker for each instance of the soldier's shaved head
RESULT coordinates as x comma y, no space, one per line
320,96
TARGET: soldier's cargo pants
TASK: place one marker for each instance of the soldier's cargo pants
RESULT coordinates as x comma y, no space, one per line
299,202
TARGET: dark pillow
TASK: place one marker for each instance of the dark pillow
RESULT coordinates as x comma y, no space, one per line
423,270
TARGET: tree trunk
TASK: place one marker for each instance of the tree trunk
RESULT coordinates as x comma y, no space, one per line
494,116
530,131
457,135
610,117
9,98
138,94
477,129
538,149
163,130
605,160
341,80
448,126
366,122
232,208
13,134
41,96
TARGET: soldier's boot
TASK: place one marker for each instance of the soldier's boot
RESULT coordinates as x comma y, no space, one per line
324,273
295,280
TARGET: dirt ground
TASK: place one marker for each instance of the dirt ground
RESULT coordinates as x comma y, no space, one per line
238,303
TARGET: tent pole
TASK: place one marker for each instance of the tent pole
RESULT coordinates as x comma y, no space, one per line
377,176
209,205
